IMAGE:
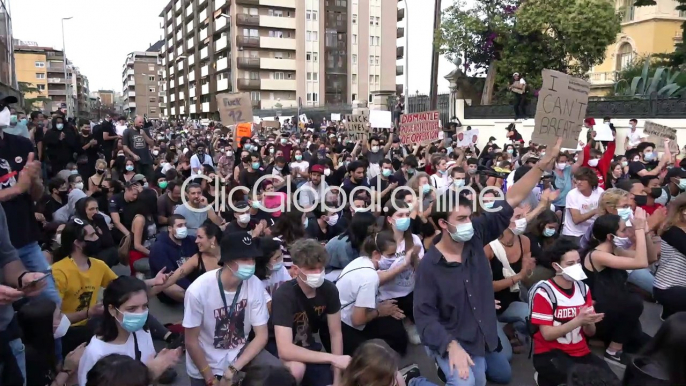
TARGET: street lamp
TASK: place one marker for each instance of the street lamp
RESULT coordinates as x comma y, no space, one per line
232,60
407,57
64,59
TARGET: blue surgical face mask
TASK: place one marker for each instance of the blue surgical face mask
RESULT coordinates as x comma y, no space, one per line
426,188
255,165
489,204
510,151
133,322
277,266
24,121
386,172
624,213
256,204
13,119
59,126
298,157
245,271
463,232
649,156
402,224
549,232
129,168
458,183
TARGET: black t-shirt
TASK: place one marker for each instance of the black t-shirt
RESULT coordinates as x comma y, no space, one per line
22,224
291,308
261,215
234,227
635,167
136,142
248,179
126,210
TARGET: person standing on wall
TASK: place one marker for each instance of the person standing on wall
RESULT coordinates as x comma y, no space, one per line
518,88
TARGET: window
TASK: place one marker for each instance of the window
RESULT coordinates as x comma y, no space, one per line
41,87
624,56
341,3
309,76
376,79
629,10
153,110
312,36
315,76
371,20
371,40
151,67
371,59
152,99
354,96
315,96
311,15
278,75
40,75
376,20
251,11
254,95
40,64
308,56
378,41
275,34
275,12
151,78
354,77
315,57
354,19
151,89
354,58
354,38
278,55
309,97
682,13
314,15
376,60
371,78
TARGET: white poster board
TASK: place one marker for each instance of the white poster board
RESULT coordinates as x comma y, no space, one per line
335,117
380,119
603,132
467,138
302,118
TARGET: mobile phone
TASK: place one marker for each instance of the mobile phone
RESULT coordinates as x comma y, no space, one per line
33,283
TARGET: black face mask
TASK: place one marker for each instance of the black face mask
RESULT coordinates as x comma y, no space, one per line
655,192
99,171
641,200
91,248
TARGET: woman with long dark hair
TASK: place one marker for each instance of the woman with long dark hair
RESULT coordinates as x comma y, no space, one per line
117,370
42,322
124,329
346,247
289,227
269,266
87,210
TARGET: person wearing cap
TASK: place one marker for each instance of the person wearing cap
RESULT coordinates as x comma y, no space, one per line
518,88
312,192
674,184
221,308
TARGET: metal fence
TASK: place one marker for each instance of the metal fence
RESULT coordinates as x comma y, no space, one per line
620,108
420,102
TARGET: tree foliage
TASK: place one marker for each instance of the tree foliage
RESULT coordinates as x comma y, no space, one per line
31,104
569,36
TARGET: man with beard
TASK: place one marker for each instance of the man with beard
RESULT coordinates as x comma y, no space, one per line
137,142
199,159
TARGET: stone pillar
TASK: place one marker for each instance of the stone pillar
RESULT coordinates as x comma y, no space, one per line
360,107
380,99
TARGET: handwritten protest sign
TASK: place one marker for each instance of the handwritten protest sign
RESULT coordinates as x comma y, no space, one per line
658,133
419,128
467,138
234,108
356,125
242,130
561,109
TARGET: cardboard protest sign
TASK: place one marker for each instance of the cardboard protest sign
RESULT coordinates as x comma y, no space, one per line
419,128
603,132
658,133
302,118
467,138
234,108
242,130
356,125
561,109
380,119
335,117
271,124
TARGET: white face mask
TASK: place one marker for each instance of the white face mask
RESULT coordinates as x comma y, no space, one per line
314,280
327,172
5,117
572,273
375,149
561,166
78,185
244,218
520,226
62,328
332,220
593,162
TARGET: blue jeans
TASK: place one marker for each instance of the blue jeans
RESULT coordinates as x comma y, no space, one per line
498,369
516,314
420,381
643,279
34,261
477,373
19,352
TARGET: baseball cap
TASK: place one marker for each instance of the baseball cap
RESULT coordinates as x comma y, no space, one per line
138,178
317,169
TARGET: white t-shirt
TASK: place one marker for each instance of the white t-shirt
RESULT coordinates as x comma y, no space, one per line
403,283
576,200
196,164
634,137
97,349
275,280
221,339
441,182
300,166
120,130
358,288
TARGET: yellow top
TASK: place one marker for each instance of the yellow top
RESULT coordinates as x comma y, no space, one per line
79,289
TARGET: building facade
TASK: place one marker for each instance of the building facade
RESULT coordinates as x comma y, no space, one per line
106,97
645,31
285,53
141,83
31,70
8,79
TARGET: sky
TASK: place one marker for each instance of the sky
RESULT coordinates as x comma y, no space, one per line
103,32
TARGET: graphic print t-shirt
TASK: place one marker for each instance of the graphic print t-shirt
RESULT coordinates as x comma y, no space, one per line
79,289
136,142
568,306
291,309
221,338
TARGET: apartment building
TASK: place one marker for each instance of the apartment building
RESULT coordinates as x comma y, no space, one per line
141,75
43,68
283,52
645,31
106,97
8,79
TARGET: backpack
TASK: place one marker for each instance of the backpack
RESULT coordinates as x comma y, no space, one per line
545,286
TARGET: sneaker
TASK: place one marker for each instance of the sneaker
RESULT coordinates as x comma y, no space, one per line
412,334
619,359
410,372
536,377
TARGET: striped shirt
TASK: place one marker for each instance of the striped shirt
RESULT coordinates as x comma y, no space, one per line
670,272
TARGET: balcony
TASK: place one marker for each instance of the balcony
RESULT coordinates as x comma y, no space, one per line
399,70
249,84
277,64
56,80
201,3
170,44
206,107
177,5
56,66
221,43
191,59
222,85
269,104
131,83
248,2
401,14
204,53
220,23
204,71
172,84
191,92
277,22
400,33
173,97
222,64
132,105
205,89
277,43
192,109
278,84
56,92
218,4
247,20
279,3
602,78
248,41
399,52
131,93
244,63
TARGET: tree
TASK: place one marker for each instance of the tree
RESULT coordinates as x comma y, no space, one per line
569,36
31,104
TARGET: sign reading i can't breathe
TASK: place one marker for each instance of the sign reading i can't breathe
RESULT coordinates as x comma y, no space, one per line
234,108
419,128
561,109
